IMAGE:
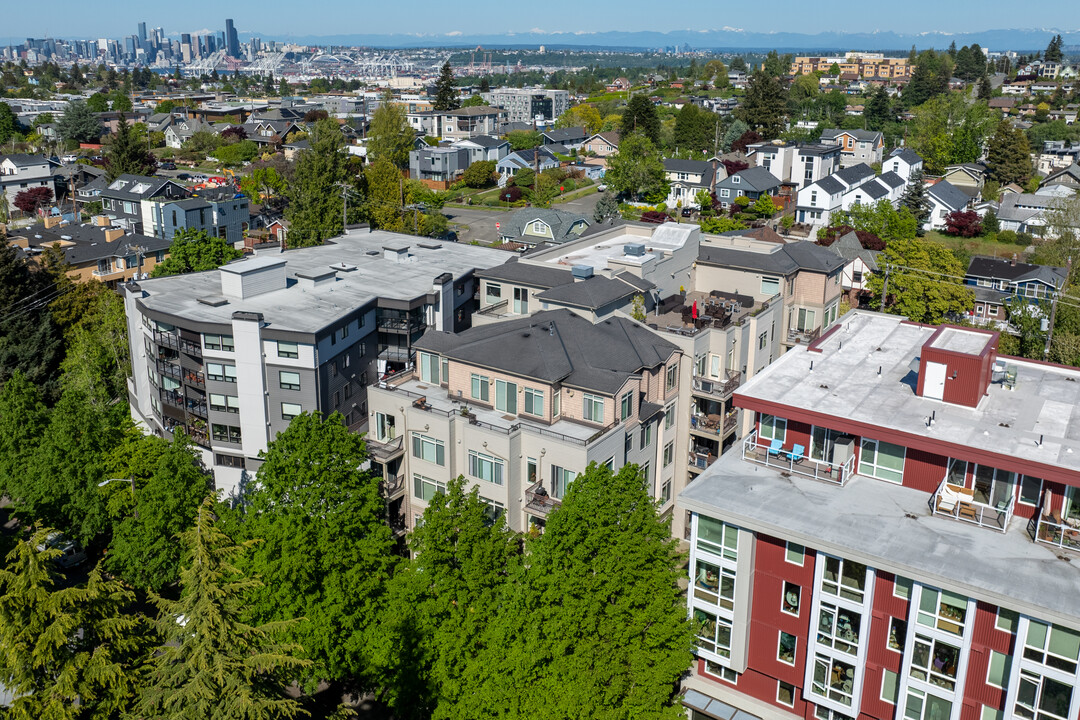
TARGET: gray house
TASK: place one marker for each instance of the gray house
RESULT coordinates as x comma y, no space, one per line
21,172
531,226
224,215
438,164
484,147
522,160
752,182
121,199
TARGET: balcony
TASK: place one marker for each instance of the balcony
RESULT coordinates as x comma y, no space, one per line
196,407
803,336
393,486
498,309
762,452
714,424
172,399
401,324
701,460
538,501
171,340
387,450
170,370
959,503
718,388
1053,530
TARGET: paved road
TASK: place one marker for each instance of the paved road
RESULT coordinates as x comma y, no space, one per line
481,221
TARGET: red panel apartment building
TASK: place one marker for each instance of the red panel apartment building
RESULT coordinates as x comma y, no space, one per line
898,535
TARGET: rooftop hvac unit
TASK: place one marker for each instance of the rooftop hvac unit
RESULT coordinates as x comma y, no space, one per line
634,249
581,272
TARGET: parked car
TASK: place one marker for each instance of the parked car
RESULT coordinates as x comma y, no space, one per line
167,166
68,159
687,212
70,553
601,188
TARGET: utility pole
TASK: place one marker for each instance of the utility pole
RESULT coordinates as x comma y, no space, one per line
885,289
1053,310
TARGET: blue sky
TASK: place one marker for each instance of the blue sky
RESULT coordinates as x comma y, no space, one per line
115,18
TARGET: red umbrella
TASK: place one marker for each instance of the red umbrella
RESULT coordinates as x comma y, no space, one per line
693,312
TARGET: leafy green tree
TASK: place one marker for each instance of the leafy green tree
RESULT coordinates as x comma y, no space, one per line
264,185
637,168
763,207
23,419
445,94
641,117
695,129
195,251
237,153
165,106
1008,155
474,101
29,340
9,124
916,200
524,139
97,363
390,137
804,88
326,546
773,65
441,602
384,183
127,154
79,124
480,174
315,198
949,130
925,281
595,625
717,225
203,142
764,108
543,191
98,102
169,483
607,207
120,101
65,652
586,116
879,218
212,664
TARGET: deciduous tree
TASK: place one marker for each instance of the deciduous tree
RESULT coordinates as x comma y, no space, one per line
195,251
33,199
925,281
390,137
524,139
636,169
480,174
315,199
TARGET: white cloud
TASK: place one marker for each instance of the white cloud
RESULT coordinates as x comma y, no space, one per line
453,33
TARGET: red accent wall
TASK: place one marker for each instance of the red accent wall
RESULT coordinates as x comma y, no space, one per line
879,657
985,638
972,372
924,470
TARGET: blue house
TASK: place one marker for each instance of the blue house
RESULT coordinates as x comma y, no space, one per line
1000,281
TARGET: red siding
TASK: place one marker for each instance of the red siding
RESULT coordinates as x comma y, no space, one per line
985,637
924,471
879,656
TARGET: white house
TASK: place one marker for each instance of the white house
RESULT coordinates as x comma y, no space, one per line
816,202
904,162
944,198
686,178
889,186
19,172
861,263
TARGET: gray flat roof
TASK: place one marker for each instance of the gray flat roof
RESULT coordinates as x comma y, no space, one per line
844,384
963,341
890,527
308,309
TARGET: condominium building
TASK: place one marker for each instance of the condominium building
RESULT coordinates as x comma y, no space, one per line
232,355
895,536
524,105
521,407
865,65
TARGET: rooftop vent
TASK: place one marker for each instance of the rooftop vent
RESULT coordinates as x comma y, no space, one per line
343,266
634,249
315,279
582,272
248,278
213,300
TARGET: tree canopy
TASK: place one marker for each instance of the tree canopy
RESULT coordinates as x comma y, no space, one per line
1008,155
637,168
127,154
641,117
79,124
925,281
445,94
195,251
315,197
390,137
764,108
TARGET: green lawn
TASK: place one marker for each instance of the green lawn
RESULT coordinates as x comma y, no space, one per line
987,245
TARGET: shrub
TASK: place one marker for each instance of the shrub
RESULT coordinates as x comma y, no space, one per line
661,208
513,191
741,201
1007,236
869,240
1023,239
734,166
30,200
965,224
479,174
654,216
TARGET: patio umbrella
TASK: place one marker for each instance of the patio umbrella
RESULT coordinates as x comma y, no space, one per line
693,311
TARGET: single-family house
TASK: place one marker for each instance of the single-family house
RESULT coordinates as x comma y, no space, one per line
751,183
904,162
997,282
602,144
944,198
889,186
686,178
857,146
19,172
967,177
816,202
94,251
571,138
860,263
531,159
484,147
1057,154
180,130
1067,176
270,132
220,212
438,166
468,122
797,165
532,226
121,199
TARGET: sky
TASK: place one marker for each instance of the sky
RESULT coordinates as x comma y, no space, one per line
284,18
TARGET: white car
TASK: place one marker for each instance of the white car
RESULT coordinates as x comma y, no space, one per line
70,553
68,159
601,188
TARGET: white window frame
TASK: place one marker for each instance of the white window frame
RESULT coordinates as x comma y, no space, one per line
871,468
590,404
488,468
532,397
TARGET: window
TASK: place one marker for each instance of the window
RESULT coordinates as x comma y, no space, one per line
1053,646
890,685
718,670
725,192
224,403
493,294
785,652
218,342
228,461
997,673
493,509
856,277
833,679
902,587
1006,620
593,409
794,553
881,460
942,610
669,453
486,467
221,372
669,416
772,428
290,410
839,628
225,433
480,389
626,405
646,435
770,286
713,584
556,403
429,367
713,633
717,537
990,713
506,396
424,488
665,491
1030,490
935,662
428,449
920,705
560,481
1042,697
521,301
897,634
785,693
791,600
844,578
672,380
534,402
763,340
289,380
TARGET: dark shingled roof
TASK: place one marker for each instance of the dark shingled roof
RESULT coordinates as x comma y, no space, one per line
527,274
558,346
892,179
485,141
595,292
907,155
982,266
89,242
785,260
830,185
851,175
949,195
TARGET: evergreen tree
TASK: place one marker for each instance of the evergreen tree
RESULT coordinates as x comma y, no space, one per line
445,94
916,201
211,664
1053,51
9,124
442,602
65,653
695,129
990,222
390,136
126,154
877,112
1008,155
929,78
195,251
640,117
983,90
485,85
23,419
607,208
29,340
79,124
764,108
735,131
315,199
326,548
952,49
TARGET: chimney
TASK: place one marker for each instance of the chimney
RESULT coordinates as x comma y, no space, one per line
1013,263
101,221
113,234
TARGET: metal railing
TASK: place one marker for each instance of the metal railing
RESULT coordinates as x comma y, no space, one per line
730,422
177,343
803,336
384,449
168,368
537,500
172,399
960,504
700,461
420,401
498,308
398,377
401,324
761,452
391,486
718,388
1052,531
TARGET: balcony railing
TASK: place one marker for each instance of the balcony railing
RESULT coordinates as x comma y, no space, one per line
401,324
538,501
959,503
499,308
177,343
762,452
718,388
700,460
169,369
393,486
172,399
1052,530
385,450
713,424
803,336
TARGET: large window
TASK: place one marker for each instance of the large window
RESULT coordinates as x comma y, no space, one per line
626,405
560,481
1053,646
429,367
920,705
218,342
770,286
1042,698
672,377
844,578
942,610
993,487
718,537
772,428
713,584
225,433
224,403
534,402
713,633
881,460
493,294
480,387
290,410
424,488
429,449
289,380
593,409
785,652
935,662
521,301
839,628
506,396
833,679
288,349
220,372
486,467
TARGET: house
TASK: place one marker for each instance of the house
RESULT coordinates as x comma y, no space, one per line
944,198
816,202
1027,212
858,146
95,252
468,122
1057,154
121,199
686,178
220,212
967,177
484,147
751,183
889,186
524,160
796,164
999,281
532,226
904,162
180,130
1068,177
292,149
159,122
438,166
602,144
570,138
270,132
859,264
1004,104
19,172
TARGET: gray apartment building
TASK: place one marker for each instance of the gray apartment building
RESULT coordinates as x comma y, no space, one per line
527,104
232,355
221,213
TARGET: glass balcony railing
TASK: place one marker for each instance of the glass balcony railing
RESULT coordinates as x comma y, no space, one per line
793,459
959,503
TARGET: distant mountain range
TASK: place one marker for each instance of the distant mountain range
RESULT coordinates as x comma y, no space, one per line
722,39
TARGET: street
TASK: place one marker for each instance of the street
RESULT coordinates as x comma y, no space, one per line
480,221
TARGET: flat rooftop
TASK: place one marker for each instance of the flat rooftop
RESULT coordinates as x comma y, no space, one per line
307,309
844,383
962,341
596,250
890,527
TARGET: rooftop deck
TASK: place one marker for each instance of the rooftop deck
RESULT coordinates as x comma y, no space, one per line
715,309
892,528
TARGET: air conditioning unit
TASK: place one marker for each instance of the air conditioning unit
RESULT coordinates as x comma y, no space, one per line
843,450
